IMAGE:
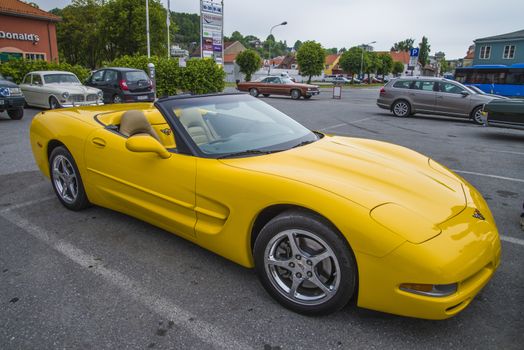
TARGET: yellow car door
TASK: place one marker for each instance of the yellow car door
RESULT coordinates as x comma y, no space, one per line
156,190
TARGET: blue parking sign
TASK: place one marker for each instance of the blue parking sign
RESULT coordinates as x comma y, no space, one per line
413,52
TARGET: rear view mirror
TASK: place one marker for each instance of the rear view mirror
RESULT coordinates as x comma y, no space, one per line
146,143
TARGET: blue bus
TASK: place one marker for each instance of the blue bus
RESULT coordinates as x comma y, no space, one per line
494,79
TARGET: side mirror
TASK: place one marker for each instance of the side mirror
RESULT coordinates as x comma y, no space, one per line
464,93
142,143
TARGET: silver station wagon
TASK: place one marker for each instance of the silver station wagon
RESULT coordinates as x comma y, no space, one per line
409,95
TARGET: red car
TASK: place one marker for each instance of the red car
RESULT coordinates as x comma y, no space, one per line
273,85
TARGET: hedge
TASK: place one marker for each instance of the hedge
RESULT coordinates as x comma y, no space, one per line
200,76
19,68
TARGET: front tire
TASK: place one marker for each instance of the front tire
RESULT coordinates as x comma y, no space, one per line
307,97
305,264
53,103
66,180
253,92
16,114
265,95
117,99
476,115
295,94
401,108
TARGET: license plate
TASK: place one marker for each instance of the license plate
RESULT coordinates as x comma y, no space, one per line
142,97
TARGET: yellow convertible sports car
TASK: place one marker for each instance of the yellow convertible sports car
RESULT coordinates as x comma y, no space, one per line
323,219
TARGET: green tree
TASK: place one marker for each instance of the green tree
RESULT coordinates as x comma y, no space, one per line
386,64
350,61
123,27
297,45
423,55
188,33
398,68
249,62
81,41
310,58
374,64
404,45
444,66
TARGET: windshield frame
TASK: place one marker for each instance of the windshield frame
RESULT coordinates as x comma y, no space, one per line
186,144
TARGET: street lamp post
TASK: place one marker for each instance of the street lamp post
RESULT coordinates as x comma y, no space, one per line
362,59
147,30
269,45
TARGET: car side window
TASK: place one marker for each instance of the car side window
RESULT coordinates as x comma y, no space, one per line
110,75
265,80
450,88
98,76
37,79
27,79
402,84
275,80
424,85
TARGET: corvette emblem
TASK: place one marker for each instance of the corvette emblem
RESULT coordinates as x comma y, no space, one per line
478,215
166,131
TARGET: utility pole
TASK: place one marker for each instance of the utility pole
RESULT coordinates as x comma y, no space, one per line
168,21
147,30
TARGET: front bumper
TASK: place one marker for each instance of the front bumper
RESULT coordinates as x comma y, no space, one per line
312,93
12,102
467,252
80,104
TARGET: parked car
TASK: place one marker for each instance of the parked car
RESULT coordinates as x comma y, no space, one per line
409,95
11,99
123,85
322,219
55,89
274,85
341,80
374,80
504,112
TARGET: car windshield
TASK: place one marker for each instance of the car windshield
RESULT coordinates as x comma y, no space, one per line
61,79
1,77
476,90
237,125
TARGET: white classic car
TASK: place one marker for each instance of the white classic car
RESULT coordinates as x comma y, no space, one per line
55,89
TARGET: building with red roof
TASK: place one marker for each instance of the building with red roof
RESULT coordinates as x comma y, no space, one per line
27,32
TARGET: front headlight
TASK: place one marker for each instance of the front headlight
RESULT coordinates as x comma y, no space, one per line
65,95
100,94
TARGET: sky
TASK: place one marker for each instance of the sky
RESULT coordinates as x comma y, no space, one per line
450,25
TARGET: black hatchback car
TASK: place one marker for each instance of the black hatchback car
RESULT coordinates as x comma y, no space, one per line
122,85
11,99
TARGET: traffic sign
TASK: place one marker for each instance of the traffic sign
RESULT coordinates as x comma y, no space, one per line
413,52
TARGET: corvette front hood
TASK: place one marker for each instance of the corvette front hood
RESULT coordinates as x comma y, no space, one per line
369,173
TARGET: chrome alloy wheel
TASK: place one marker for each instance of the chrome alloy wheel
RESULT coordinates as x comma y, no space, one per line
302,267
401,109
64,179
477,116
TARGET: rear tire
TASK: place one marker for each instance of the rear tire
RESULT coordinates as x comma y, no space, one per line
476,115
305,264
253,92
295,94
117,99
66,180
401,108
16,114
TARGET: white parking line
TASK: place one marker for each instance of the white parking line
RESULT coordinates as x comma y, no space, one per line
512,240
510,152
488,175
332,127
345,124
157,304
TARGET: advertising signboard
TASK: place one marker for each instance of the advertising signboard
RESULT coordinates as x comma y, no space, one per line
212,29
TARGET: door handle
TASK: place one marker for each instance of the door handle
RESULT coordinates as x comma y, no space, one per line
99,142
440,96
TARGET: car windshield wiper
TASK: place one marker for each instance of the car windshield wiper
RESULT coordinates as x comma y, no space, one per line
247,152
303,143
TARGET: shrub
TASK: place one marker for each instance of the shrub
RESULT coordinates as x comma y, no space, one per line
249,62
200,76
19,68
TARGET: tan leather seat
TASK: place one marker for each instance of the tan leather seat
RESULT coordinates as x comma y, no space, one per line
196,126
134,122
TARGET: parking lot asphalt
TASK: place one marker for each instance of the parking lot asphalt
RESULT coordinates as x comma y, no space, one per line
98,279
